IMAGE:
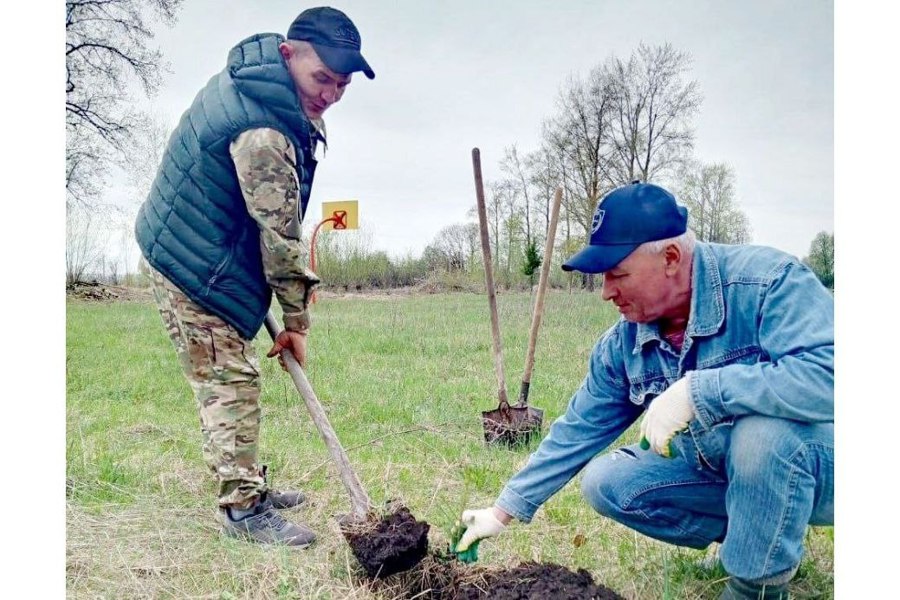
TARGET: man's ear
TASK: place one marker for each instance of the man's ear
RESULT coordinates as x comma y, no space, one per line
286,50
673,256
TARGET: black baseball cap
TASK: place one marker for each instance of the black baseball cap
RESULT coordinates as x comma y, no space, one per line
334,37
626,218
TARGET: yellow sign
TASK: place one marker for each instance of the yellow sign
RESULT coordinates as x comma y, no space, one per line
340,215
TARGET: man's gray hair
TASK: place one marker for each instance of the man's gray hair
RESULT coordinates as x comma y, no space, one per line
685,241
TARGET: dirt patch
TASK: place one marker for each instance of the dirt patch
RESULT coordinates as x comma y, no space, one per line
531,581
94,291
439,577
394,543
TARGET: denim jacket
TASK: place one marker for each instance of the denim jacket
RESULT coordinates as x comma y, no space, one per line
759,340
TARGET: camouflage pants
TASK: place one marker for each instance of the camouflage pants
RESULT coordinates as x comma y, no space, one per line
223,371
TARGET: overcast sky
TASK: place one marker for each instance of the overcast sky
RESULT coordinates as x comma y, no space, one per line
451,76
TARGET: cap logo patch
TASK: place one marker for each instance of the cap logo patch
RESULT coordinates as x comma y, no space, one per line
597,221
347,34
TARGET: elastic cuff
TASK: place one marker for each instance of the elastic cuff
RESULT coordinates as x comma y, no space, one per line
297,321
513,504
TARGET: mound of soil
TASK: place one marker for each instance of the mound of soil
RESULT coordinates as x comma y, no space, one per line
397,542
440,577
534,581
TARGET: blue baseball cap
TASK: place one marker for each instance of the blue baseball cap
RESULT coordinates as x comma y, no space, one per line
625,218
334,37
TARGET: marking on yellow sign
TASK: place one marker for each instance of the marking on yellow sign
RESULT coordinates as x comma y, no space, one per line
343,215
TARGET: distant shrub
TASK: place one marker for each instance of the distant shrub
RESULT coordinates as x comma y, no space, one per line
345,260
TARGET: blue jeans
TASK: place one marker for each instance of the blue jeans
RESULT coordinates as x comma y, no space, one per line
778,478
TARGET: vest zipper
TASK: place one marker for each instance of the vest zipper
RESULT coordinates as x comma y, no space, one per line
219,268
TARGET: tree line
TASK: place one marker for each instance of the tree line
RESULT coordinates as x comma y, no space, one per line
626,119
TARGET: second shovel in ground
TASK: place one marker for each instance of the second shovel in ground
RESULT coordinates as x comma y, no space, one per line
506,425
536,415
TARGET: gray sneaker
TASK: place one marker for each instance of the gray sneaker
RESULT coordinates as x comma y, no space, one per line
266,526
286,498
283,498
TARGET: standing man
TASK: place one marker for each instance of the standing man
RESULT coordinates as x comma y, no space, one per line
728,353
220,231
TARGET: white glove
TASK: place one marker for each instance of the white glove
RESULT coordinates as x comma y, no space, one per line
669,413
479,524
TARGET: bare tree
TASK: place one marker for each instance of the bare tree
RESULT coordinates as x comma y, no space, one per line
127,247
624,120
518,182
145,155
496,207
580,135
107,49
512,238
708,191
653,111
560,173
473,244
453,247
84,251
544,175
141,164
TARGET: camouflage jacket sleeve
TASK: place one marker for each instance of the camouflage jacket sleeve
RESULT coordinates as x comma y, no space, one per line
267,171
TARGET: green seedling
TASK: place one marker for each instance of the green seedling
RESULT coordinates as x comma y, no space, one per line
470,555
645,445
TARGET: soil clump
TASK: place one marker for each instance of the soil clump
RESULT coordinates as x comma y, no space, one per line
395,543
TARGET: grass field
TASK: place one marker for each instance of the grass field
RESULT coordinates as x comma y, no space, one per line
404,380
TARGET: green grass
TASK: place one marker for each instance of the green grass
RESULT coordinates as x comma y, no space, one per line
404,380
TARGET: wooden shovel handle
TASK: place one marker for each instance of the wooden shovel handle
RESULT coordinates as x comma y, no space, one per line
539,302
489,276
360,504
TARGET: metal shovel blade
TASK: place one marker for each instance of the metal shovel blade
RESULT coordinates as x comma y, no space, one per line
512,426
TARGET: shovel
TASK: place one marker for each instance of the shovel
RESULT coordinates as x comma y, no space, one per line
537,414
506,425
382,544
